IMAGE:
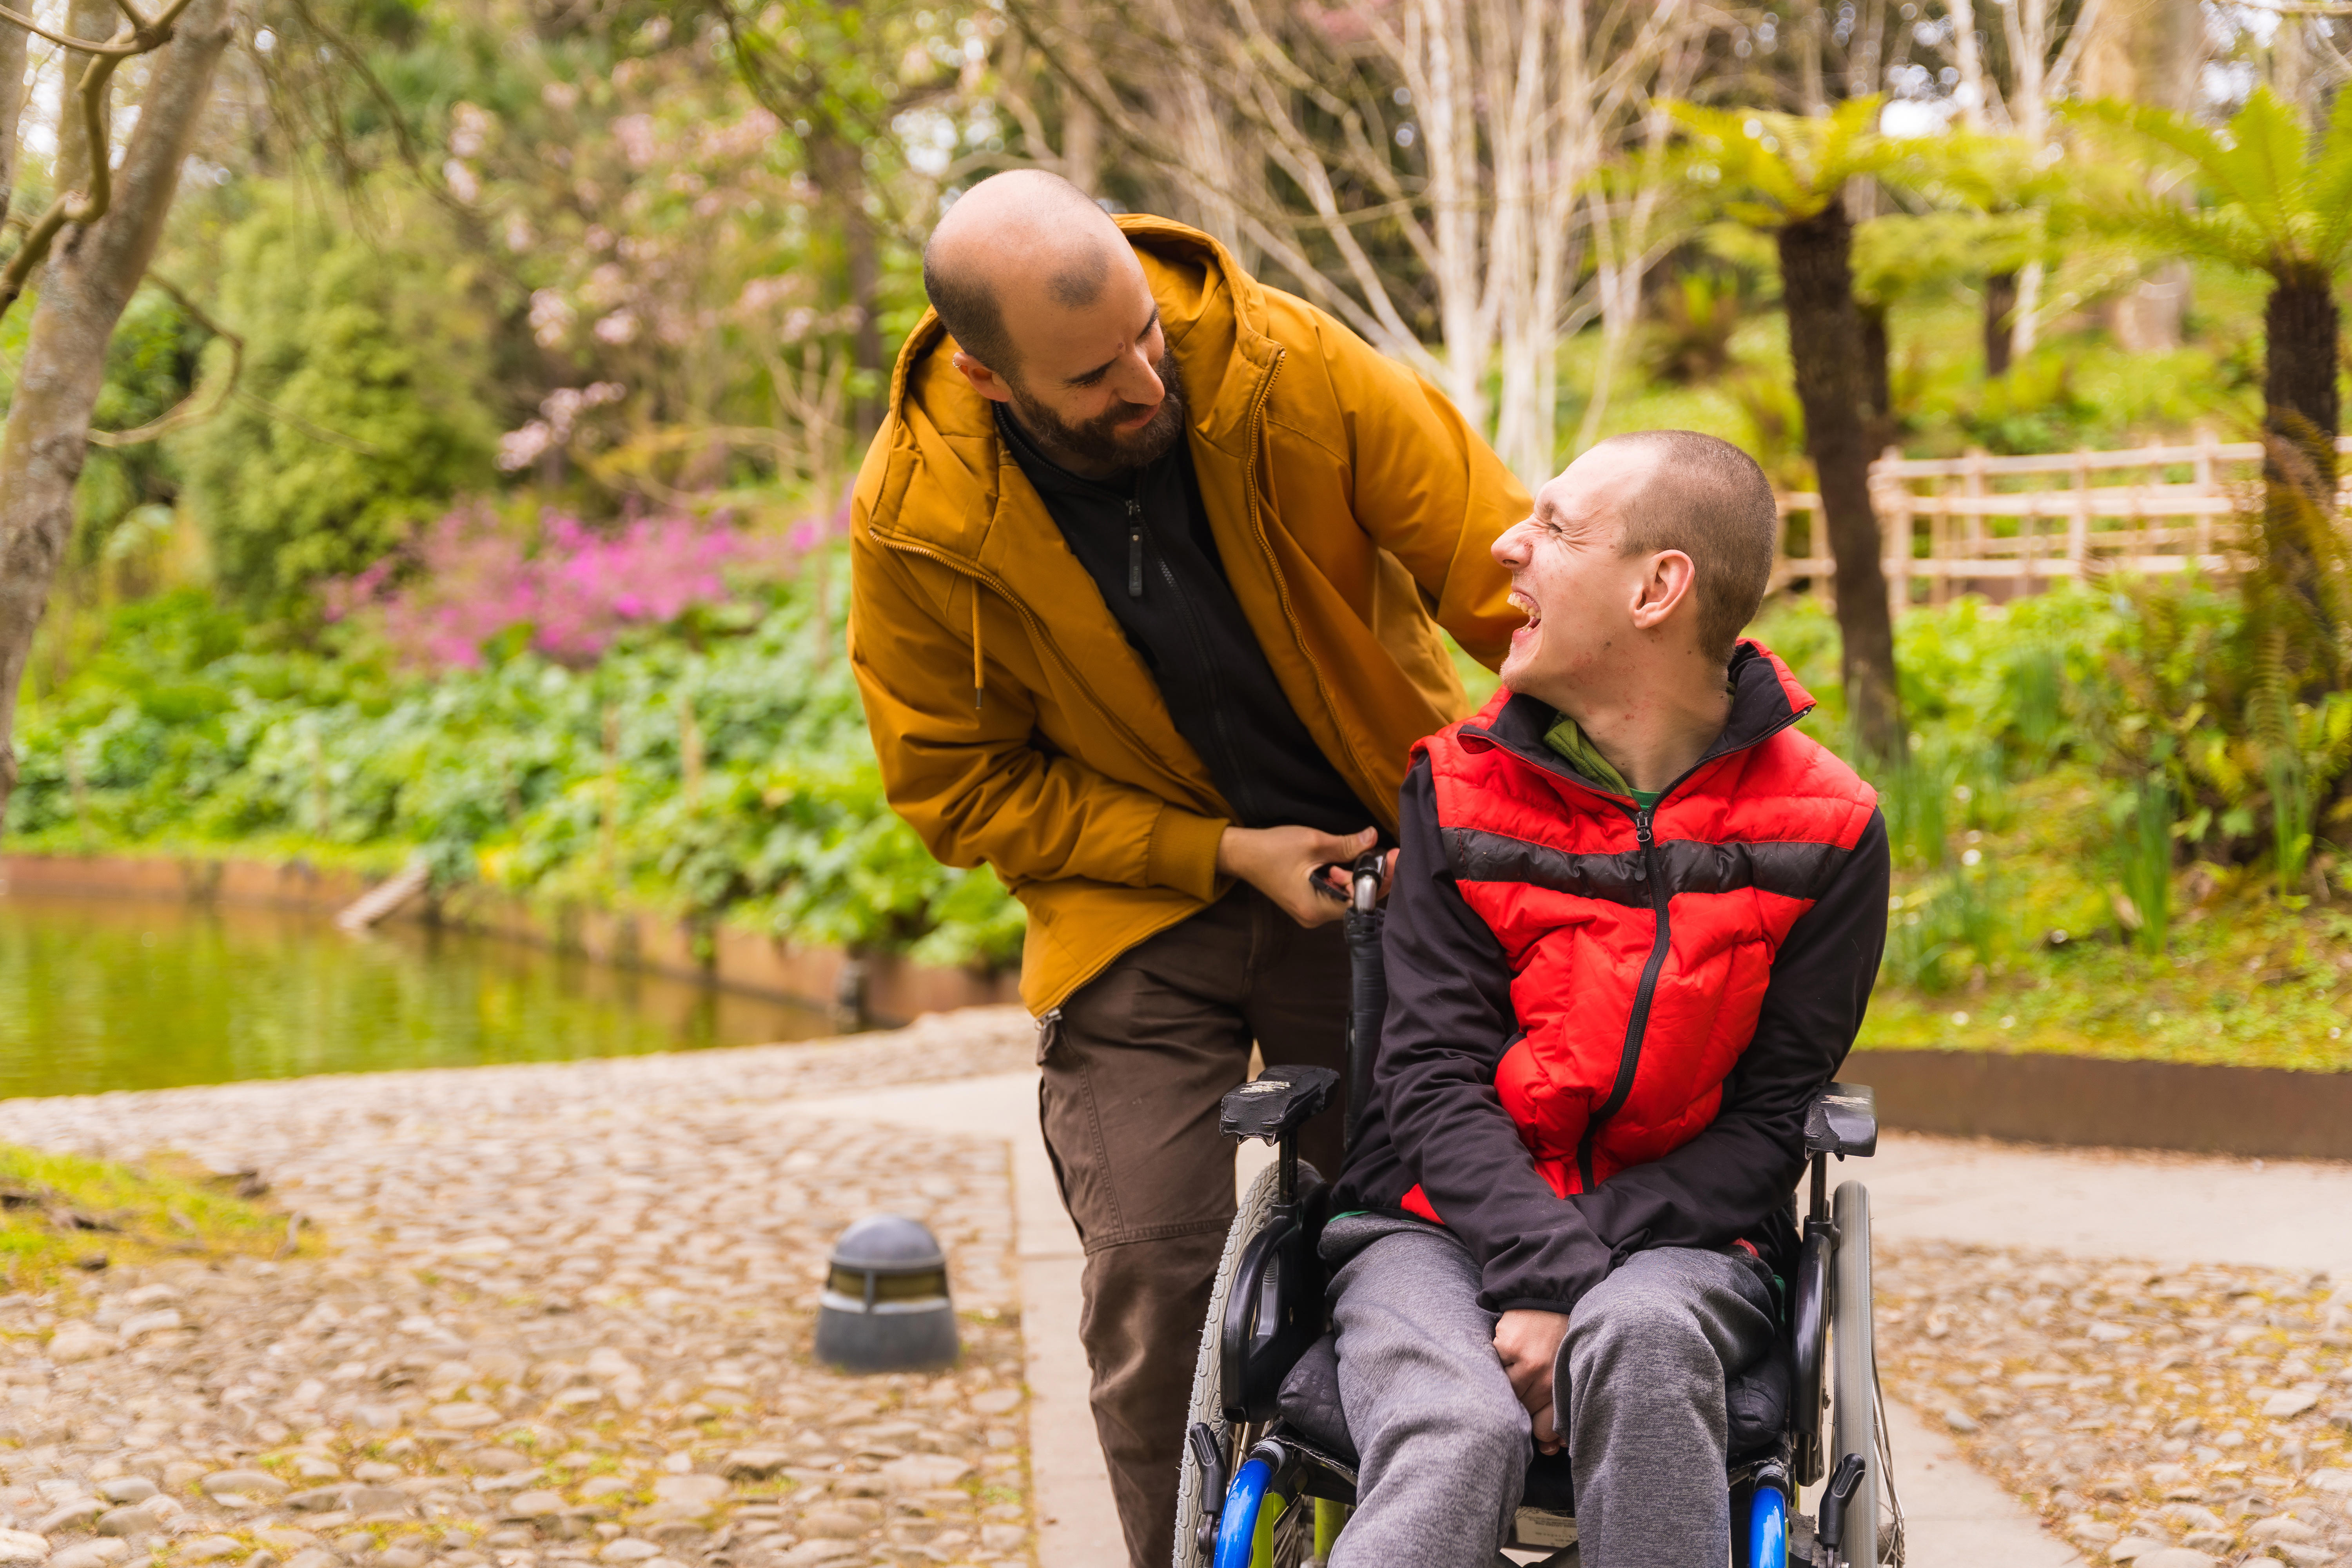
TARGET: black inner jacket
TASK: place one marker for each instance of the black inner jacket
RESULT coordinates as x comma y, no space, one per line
1436,1121
1143,536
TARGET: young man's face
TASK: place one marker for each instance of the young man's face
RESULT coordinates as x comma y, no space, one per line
1570,575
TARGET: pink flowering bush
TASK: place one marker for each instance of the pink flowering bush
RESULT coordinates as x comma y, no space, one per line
469,579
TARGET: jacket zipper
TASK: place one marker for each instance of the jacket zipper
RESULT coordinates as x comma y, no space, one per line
1135,544
1629,1055
1249,809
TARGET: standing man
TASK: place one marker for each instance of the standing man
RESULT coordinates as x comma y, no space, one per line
1150,563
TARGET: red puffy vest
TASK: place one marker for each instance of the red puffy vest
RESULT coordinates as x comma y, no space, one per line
1641,943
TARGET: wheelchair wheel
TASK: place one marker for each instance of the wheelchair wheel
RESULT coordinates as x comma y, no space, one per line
1854,1411
1208,1402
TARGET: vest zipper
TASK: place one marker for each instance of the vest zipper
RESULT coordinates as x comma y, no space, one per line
1629,1056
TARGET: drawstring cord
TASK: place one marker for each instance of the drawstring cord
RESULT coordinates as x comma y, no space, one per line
976,669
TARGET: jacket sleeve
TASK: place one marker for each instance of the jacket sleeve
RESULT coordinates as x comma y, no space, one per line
1428,488
1450,1019
972,781
1723,1183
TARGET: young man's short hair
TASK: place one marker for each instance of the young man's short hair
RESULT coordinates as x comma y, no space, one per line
1709,500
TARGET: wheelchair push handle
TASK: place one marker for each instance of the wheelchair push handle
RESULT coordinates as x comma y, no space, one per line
1363,881
1836,1496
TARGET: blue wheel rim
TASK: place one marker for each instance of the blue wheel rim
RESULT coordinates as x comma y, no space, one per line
1768,1529
1238,1525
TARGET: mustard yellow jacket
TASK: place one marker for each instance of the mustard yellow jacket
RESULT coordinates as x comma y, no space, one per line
1353,508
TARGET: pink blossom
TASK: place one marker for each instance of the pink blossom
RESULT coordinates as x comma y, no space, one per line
472,578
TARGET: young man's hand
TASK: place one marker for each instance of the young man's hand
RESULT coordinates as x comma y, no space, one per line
1528,1342
1280,862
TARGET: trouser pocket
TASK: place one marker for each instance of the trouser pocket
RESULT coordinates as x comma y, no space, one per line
1049,1034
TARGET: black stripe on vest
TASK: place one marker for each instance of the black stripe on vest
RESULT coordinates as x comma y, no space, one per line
1792,867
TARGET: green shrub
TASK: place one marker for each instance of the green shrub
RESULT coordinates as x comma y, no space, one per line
572,782
365,364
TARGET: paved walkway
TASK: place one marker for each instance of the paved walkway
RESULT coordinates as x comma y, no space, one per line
561,1324
2096,1203
559,1252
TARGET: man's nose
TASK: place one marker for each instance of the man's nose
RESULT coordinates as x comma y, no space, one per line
1140,384
1510,545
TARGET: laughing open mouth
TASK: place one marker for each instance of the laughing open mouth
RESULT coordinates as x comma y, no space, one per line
1528,607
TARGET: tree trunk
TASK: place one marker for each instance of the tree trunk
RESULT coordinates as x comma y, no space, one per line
1878,375
91,276
2302,413
1825,347
841,175
1082,130
94,20
12,105
2000,305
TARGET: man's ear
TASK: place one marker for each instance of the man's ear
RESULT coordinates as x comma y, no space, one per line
984,381
1669,580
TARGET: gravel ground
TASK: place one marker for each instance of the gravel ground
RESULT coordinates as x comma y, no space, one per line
2171,1417
556,1313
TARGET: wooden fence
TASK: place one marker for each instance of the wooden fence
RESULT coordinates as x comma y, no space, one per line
2006,526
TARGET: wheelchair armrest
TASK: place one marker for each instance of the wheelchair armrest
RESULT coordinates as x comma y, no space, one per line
1276,1103
1842,1120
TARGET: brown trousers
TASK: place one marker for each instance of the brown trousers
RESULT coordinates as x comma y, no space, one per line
1135,1063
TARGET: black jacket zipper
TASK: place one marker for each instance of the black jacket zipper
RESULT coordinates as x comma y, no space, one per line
1138,537
1629,1055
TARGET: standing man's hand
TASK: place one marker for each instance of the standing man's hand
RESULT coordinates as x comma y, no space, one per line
1280,862
1528,1342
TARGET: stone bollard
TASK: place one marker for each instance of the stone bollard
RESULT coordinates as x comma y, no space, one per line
885,1307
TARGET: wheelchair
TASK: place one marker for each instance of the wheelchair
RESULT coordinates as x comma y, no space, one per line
1269,1471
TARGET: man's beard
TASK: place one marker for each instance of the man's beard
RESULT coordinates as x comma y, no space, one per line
1099,441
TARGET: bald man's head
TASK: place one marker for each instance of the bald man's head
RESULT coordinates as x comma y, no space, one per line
1707,499
1012,240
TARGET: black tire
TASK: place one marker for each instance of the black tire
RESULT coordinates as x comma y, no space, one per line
1854,1399
1207,1402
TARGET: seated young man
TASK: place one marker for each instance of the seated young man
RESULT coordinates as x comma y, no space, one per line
1634,920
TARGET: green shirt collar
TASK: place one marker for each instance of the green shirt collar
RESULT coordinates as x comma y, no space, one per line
1567,738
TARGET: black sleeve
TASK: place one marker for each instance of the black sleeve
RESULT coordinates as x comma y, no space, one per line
1723,1183
1450,1019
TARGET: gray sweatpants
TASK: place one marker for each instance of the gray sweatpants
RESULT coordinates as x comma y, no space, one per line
1444,1443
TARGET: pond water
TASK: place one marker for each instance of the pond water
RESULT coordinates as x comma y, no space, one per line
109,994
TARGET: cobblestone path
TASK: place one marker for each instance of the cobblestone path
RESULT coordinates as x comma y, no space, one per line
555,1314
2175,1417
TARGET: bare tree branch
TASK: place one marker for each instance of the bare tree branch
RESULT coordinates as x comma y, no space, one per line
184,412
84,208
114,46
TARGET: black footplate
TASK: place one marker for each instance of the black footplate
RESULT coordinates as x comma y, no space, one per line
1276,1102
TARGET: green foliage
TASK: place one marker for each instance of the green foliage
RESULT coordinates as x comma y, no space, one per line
577,783
2033,408
1697,315
2144,841
365,364
163,1207
1770,169
2280,204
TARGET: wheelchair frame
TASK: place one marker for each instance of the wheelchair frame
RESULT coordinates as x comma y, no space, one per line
1245,1473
